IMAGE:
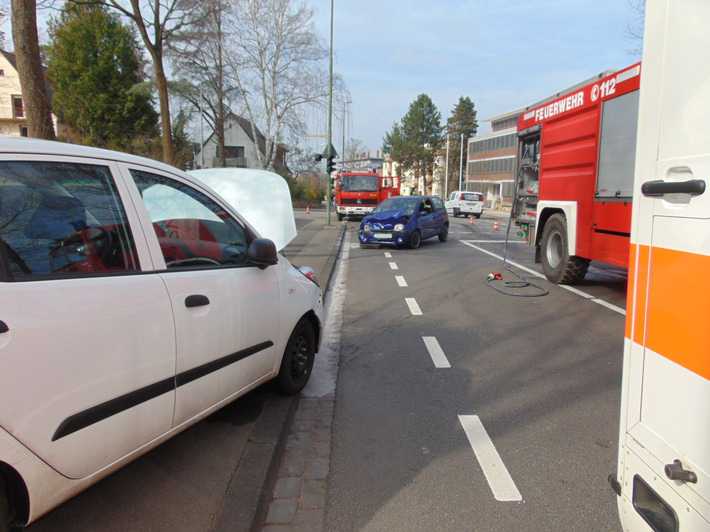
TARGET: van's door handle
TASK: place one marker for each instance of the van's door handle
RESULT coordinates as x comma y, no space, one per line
657,188
196,300
675,471
4,328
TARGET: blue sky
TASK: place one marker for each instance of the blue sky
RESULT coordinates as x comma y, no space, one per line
504,54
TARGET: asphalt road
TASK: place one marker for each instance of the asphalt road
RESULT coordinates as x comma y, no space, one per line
542,375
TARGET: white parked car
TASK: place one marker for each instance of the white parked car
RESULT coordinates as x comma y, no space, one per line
465,203
134,301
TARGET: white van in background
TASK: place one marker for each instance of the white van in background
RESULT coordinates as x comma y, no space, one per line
465,203
663,475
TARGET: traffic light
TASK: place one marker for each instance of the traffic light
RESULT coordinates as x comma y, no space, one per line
330,165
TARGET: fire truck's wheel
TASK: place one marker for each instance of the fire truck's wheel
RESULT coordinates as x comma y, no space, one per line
415,240
558,265
444,233
456,213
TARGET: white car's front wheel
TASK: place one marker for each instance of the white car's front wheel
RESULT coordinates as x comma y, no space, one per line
5,515
297,362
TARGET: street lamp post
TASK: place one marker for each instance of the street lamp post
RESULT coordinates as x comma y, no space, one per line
461,165
330,115
446,169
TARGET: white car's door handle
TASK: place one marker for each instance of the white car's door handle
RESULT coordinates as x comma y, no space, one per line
197,300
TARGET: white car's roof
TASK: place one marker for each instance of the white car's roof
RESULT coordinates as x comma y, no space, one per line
45,147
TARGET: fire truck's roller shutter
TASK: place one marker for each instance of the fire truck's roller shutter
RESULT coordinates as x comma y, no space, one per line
617,149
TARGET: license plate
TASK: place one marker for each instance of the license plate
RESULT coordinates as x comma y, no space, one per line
383,236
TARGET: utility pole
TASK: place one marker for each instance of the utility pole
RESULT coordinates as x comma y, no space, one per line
328,148
461,166
342,153
446,169
202,133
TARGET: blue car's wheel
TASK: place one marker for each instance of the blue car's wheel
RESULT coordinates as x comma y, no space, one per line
444,233
415,239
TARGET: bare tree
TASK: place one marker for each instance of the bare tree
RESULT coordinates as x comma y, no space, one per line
354,149
276,61
198,55
634,30
158,22
29,68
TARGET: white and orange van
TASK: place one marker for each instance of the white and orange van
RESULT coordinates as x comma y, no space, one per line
663,477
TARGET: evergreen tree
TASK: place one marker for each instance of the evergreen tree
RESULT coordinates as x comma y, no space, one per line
462,120
95,71
415,141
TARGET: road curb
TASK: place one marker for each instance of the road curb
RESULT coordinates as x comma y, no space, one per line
333,260
242,501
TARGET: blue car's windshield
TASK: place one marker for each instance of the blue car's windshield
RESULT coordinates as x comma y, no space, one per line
400,203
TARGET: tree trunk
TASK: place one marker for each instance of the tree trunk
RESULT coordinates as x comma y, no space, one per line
166,127
35,98
220,118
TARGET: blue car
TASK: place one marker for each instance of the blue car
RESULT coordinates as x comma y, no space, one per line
405,221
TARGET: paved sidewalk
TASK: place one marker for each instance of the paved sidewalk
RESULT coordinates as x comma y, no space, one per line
295,501
316,244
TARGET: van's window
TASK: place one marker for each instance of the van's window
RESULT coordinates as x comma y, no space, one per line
471,196
193,231
61,219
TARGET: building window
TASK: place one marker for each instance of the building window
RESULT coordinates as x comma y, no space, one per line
23,131
18,109
233,152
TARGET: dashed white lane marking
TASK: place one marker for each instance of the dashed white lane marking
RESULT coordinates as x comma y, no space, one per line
413,306
436,352
393,266
401,281
585,295
497,475
497,241
388,255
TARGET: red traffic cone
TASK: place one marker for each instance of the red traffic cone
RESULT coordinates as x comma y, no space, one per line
470,219
496,226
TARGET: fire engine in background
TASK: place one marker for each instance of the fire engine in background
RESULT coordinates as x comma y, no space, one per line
575,174
663,482
358,193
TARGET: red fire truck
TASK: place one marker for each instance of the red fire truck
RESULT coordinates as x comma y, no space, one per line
358,193
576,154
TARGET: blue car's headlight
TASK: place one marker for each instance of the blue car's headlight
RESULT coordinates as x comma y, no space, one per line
366,228
399,227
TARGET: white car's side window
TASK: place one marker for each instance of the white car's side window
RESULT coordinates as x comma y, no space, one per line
61,219
193,231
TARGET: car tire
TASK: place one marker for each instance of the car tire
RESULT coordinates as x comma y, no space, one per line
5,513
444,234
297,362
415,239
558,265
478,216
456,213
340,217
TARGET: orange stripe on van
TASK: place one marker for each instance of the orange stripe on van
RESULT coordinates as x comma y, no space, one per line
631,285
678,307
640,285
